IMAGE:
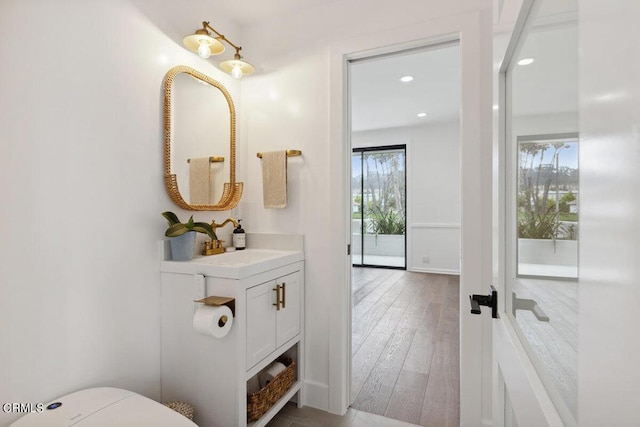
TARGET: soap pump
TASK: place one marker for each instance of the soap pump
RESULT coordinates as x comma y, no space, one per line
239,237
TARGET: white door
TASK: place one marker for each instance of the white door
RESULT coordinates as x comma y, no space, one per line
535,339
261,322
566,343
288,317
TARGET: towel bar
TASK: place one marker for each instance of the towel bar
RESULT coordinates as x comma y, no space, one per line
290,153
213,159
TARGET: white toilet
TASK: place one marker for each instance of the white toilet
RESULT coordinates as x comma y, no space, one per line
104,407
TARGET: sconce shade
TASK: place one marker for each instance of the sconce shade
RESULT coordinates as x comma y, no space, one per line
204,45
194,41
230,64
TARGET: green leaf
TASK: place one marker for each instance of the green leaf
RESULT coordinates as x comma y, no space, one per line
203,227
176,230
171,217
189,223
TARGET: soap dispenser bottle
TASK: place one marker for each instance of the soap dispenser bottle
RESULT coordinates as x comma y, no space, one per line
239,237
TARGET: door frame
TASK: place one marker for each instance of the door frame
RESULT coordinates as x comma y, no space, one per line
474,32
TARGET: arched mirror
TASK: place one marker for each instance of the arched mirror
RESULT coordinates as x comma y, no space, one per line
199,142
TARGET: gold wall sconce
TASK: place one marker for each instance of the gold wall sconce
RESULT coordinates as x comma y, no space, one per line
205,45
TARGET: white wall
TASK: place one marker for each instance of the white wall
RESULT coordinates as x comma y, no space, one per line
282,110
544,124
82,190
433,192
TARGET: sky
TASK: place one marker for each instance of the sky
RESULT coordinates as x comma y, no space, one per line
568,156
356,162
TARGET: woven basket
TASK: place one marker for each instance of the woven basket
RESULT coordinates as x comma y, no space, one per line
259,402
182,408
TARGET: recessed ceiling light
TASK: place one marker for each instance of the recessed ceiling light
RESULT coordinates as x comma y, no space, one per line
526,61
406,79
422,114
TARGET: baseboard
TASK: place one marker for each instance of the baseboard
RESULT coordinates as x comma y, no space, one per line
316,395
435,271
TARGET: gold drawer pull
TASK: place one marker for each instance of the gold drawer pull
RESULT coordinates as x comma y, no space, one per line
284,295
277,303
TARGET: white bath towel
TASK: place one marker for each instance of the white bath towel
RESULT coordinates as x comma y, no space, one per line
200,181
274,179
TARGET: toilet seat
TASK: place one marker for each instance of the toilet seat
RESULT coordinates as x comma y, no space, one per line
104,407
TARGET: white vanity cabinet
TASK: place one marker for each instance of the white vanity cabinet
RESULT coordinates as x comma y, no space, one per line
273,316
212,373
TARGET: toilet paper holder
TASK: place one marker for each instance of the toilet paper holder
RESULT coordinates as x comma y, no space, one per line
218,301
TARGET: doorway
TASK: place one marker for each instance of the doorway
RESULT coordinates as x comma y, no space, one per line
378,192
405,169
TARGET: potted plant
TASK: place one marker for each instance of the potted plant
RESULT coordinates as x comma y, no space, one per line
183,235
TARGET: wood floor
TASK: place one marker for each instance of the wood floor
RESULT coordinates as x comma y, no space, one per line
406,346
555,342
292,416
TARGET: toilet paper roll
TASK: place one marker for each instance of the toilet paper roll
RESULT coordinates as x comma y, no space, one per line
270,373
253,384
213,320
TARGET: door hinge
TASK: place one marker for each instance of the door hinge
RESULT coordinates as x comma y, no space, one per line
348,248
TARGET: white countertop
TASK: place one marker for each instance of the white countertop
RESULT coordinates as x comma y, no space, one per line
234,265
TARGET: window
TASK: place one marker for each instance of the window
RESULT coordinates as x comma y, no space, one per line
378,200
548,194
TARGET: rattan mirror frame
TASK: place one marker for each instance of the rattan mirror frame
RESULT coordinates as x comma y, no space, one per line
232,191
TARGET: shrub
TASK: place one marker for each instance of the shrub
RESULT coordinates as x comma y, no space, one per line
533,225
386,222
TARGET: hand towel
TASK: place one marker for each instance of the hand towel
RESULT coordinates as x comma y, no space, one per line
274,179
200,181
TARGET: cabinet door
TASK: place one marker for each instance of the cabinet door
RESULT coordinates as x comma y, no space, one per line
261,322
288,317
